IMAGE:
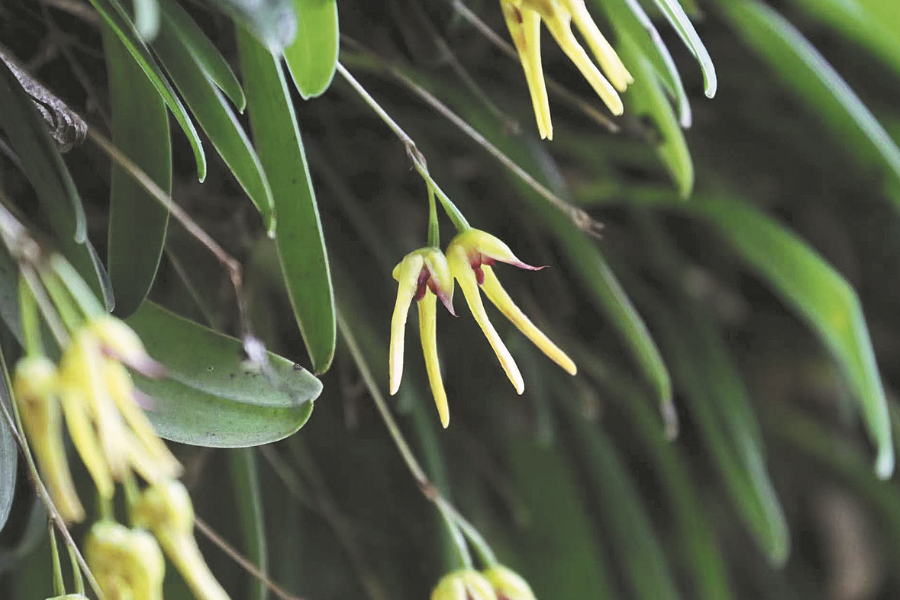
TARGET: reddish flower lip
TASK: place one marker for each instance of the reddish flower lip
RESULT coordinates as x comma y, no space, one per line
426,281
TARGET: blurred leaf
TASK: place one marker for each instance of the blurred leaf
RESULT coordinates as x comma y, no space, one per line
680,22
563,559
301,246
272,22
646,100
45,169
248,495
9,457
216,119
630,18
146,18
9,293
312,58
624,515
33,533
862,21
137,222
208,57
208,397
118,20
801,68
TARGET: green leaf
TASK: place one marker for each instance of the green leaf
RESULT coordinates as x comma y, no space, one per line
137,222
248,495
562,556
272,22
9,456
801,68
208,398
146,18
216,119
208,57
680,22
45,169
616,495
118,20
646,99
301,246
312,58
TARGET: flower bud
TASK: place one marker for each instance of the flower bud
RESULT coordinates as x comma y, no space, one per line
122,343
126,562
508,584
465,584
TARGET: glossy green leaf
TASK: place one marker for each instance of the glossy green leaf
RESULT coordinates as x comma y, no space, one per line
137,222
9,457
301,246
562,556
864,22
616,495
272,22
628,17
646,99
680,22
216,119
118,20
248,495
45,169
815,82
208,398
312,58
146,18
208,57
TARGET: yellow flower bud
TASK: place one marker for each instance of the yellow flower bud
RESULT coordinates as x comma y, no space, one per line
126,562
508,584
465,584
34,387
120,342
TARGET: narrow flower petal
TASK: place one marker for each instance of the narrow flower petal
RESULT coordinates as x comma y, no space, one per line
461,269
428,333
560,26
501,300
525,28
85,440
607,57
492,247
407,276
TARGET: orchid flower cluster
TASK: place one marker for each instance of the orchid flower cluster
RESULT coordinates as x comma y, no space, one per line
493,583
524,18
92,392
427,274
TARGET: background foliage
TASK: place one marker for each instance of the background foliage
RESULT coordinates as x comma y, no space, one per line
743,281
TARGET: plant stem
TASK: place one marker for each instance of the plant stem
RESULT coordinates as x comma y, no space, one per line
434,228
28,316
59,586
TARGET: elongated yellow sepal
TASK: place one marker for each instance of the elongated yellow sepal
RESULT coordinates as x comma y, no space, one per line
407,276
525,28
607,57
462,271
496,294
428,333
81,430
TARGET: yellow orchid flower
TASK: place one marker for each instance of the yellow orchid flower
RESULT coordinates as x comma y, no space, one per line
465,584
165,509
508,584
524,17
127,563
470,256
418,273
34,388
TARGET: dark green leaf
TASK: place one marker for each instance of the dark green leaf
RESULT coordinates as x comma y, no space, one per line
312,58
680,22
118,20
272,22
301,247
208,398
248,495
9,456
216,119
205,53
137,222
801,68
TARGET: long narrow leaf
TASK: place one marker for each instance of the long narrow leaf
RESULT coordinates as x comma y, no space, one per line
312,58
216,119
272,22
137,223
680,22
301,246
9,456
248,495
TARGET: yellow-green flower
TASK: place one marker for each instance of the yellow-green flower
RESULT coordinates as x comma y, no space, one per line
524,17
465,584
507,584
470,256
418,273
165,509
34,387
127,563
